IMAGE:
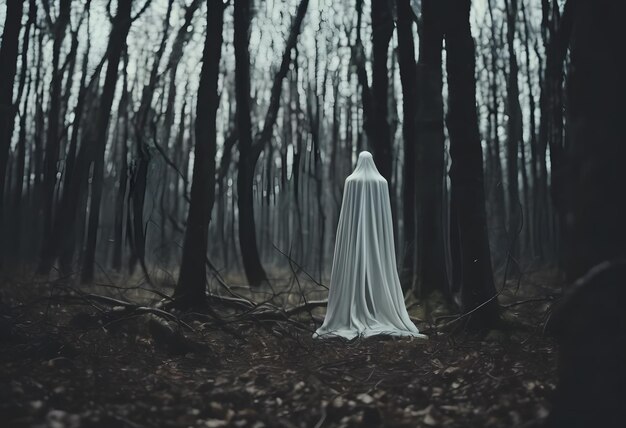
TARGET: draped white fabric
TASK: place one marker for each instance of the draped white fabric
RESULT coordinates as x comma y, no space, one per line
365,296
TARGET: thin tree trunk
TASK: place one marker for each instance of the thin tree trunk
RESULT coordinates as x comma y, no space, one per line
245,176
64,228
380,132
192,278
15,240
8,69
139,176
499,204
408,79
53,137
534,176
551,122
117,42
250,151
514,133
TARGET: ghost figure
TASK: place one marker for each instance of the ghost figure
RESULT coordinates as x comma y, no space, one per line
365,296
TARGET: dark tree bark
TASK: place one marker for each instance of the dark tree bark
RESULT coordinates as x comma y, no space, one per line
245,176
16,222
557,30
192,278
53,137
8,68
379,130
514,131
408,78
466,172
592,378
168,129
315,106
596,149
249,150
117,43
497,189
532,218
431,140
63,228
375,98
139,174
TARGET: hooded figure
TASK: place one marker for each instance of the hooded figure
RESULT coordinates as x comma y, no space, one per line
365,296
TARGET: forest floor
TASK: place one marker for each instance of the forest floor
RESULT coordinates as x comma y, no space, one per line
64,362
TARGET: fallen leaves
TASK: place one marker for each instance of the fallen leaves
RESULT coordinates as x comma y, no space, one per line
120,379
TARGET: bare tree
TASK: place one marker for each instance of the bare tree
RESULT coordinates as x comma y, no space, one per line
430,166
117,42
514,130
192,277
375,99
16,221
8,68
466,172
408,78
58,28
249,149
139,173
592,379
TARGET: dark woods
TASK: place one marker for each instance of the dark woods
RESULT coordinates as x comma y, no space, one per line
180,141
255,155
75,131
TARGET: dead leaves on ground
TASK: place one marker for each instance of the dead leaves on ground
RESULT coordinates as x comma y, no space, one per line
123,378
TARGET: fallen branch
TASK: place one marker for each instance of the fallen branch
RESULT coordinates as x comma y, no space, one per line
531,300
235,302
137,309
286,313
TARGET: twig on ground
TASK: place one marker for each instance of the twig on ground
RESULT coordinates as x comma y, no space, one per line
531,300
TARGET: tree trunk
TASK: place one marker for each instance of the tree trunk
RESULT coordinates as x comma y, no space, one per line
53,138
380,133
551,130
15,240
192,278
245,174
592,378
431,145
64,227
250,151
534,238
514,133
8,68
596,174
139,176
496,191
408,78
466,171
117,42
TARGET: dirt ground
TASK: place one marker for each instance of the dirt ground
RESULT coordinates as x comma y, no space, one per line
66,363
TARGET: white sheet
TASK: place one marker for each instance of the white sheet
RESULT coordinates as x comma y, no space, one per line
365,296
